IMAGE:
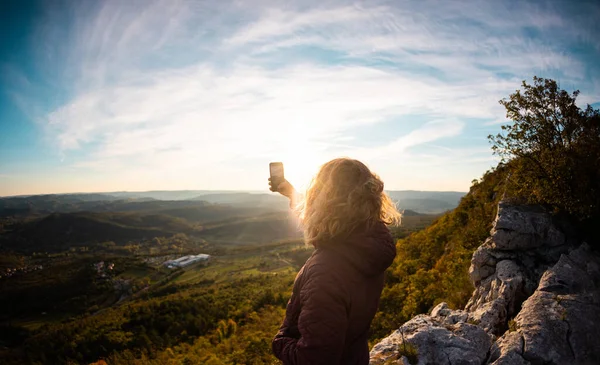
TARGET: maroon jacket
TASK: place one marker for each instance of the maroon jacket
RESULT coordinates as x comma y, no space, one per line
334,300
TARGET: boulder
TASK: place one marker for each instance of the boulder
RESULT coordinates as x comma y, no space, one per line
523,227
442,338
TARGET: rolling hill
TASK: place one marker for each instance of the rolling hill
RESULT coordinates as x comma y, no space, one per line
264,229
61,231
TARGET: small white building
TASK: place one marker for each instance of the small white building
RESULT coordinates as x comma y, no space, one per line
186,260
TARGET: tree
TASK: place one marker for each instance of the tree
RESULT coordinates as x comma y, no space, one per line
553,149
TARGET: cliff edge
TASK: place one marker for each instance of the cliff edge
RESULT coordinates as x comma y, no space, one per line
536,301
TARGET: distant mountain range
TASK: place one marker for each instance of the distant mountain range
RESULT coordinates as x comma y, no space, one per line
58,222
427,202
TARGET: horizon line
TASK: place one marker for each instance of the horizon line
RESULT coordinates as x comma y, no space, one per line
191,190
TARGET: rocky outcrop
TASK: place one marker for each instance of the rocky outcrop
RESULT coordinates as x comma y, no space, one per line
537,301
506,269
442,338
558,324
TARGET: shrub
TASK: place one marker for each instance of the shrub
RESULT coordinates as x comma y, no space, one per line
410,351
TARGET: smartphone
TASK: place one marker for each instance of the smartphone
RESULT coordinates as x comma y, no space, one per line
277,177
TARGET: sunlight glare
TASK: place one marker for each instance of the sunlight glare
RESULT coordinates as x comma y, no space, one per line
301,159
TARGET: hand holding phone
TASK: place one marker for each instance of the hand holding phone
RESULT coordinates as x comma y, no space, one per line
277,181
277,175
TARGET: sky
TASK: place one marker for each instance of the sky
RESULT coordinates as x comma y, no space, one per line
168,94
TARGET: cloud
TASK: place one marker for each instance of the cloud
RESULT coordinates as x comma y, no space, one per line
429,132
171,86
249,109
277,23
457,38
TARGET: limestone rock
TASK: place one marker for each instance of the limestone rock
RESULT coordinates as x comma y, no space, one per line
498,297
442,339
506,268
508,350
560,322
446,315
483,264
519,227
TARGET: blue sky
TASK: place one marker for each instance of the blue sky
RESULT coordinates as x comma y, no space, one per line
144,95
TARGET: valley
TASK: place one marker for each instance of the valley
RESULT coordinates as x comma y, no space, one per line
99,271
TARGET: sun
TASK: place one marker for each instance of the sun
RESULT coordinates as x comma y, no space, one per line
301,160
299,171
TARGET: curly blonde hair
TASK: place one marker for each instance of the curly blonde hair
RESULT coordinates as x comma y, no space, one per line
344,195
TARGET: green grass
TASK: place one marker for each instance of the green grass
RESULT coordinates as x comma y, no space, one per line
33,323
143,272
136,273
277,259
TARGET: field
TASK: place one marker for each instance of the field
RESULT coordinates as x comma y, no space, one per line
273,260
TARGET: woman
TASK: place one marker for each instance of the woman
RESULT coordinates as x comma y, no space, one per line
336,293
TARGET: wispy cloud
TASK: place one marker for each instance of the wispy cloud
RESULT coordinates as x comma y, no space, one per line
167,86
429,132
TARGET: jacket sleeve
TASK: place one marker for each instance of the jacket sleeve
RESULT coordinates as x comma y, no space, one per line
322,323
288,329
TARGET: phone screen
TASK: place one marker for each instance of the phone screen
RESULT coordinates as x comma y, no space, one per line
276,169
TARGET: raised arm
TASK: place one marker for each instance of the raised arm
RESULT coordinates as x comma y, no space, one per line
286,189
